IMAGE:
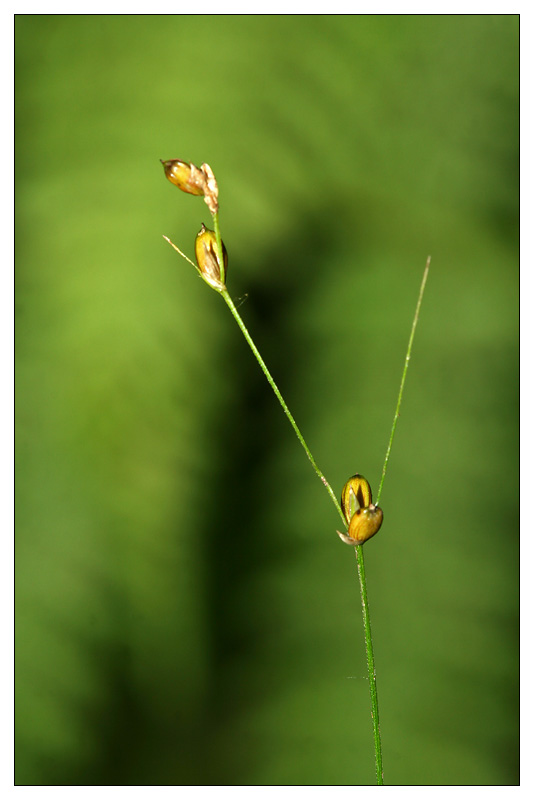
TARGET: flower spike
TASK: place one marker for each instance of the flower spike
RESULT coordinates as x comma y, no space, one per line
363,517
199,181
208,261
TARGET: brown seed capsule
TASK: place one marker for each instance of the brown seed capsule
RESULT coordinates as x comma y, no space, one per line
207,259
185,176
363,517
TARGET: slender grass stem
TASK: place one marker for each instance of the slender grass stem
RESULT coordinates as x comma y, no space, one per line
358,549
359,553
229,302
403,379
217,231
370,666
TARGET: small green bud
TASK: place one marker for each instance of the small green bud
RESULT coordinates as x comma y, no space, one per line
207,259
363,517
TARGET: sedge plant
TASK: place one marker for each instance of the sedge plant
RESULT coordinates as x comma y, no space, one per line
361,517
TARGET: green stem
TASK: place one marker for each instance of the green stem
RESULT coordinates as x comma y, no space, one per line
359,553
229,302
403,379
370,666
359,550
217,231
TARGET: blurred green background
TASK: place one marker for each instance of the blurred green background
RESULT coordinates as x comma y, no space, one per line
186,613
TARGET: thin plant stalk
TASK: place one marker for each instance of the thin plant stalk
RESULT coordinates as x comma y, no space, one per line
229,302
403,378
358,549
235,313
373,692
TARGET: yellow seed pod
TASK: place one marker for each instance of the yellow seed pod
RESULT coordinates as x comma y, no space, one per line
207,259
364,524
185,176
356,494
363,517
